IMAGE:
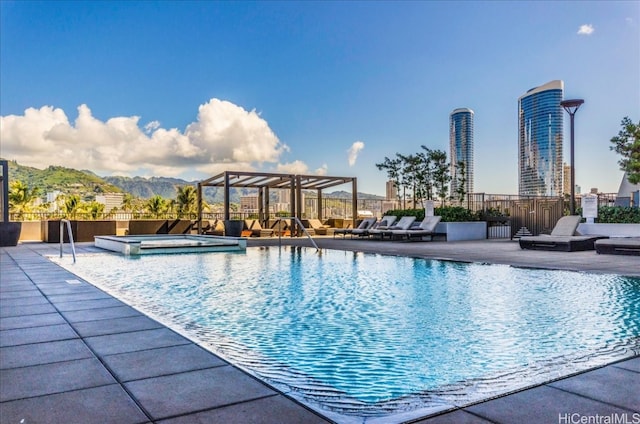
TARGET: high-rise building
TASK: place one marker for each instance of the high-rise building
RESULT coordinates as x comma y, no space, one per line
461,149
391,191
540,140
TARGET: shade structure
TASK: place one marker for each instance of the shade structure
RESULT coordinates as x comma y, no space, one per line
265,181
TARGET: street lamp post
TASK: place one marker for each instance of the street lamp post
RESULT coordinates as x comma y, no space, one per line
571,106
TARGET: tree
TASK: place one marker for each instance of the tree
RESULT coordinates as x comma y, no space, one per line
71,205
441,174
187,199
95,209
627,145
21,197
156,205
393,168
461,180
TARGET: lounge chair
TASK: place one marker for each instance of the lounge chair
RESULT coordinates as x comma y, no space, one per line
563,237
256,230
618,246
382,224
213,227
404,224
319,228
366,224
425,228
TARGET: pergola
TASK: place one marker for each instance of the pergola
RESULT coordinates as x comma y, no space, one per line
264,181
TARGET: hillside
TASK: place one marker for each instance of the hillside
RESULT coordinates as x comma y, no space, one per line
69,181
87,184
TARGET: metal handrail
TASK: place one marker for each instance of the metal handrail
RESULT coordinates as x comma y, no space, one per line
73,247
300,225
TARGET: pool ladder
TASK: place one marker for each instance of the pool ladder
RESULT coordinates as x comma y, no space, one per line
73,247
299,225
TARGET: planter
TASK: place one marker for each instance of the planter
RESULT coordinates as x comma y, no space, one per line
610,230
141,227
233,228
10,233
82,231
457,231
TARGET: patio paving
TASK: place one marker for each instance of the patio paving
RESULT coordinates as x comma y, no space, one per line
71,353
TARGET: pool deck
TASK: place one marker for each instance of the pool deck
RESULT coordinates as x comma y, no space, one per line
70,353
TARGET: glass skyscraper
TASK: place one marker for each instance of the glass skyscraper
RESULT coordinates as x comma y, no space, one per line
540,140
461,148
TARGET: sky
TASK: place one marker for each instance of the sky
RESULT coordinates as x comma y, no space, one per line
190,89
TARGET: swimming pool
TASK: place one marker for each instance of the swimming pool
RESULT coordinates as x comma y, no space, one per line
356,335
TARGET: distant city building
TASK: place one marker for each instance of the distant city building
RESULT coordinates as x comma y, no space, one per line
391,191
566,179
540,138
110,200
249,204
461,148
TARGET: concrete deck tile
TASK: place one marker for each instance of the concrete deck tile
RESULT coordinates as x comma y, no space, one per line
64,288
270,410
100,314
24,301
88,304
99,405
455,417
629,364
135,341
33,292
195,391
8,285
74,297
43,353
624,390
47,333
117,325
22,310
540,405
11,323
162,361
53,378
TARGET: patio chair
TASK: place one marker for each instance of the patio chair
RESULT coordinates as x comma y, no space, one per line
425,228
619,246
404,224
256,230
365,225
563,237
320,229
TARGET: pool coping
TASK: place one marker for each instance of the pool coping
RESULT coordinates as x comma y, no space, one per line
27,275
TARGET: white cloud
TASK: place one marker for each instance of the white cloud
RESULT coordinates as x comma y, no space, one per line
353,152
223,137
295,167
151,127
322,170
586,29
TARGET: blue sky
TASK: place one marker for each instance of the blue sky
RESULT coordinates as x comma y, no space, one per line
189,89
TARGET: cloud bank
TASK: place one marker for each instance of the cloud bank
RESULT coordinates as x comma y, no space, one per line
586,29
223,137
353,152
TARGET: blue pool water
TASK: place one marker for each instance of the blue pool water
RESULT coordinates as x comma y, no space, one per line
357,335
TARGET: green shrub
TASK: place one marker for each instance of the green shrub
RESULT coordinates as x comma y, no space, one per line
616,215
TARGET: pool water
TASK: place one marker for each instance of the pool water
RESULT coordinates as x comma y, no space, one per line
356,335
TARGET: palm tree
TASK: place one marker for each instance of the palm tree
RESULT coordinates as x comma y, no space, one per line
71,205
156,205
187,199
21,197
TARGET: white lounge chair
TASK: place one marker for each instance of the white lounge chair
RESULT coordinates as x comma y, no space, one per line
426,227
563,237
404,224
365,225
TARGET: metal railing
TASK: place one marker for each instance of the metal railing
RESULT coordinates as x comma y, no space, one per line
280,219
69,232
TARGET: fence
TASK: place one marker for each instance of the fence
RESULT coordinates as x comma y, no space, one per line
506,215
